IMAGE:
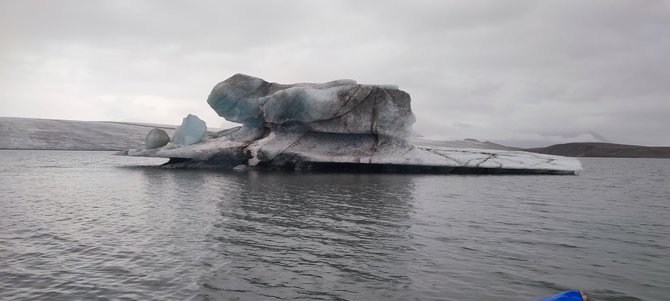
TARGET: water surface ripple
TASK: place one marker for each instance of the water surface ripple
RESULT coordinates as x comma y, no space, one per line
89,225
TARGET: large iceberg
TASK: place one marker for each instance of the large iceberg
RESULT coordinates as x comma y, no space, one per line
339,125
341,106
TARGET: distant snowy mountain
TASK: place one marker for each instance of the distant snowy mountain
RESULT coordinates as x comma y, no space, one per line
31,133
465,143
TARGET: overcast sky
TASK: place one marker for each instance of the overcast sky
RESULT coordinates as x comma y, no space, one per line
519,72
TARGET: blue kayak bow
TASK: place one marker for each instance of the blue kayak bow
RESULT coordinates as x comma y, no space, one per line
573,295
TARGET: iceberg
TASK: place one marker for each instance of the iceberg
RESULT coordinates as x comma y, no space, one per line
338,125
156,138
341,106
192,130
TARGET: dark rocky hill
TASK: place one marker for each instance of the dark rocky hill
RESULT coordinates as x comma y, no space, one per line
597,149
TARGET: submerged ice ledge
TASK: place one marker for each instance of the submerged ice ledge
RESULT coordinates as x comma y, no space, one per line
340,125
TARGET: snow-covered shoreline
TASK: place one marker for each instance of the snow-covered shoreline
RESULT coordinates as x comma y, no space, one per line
53,134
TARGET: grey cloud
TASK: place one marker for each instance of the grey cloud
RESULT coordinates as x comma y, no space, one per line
506,69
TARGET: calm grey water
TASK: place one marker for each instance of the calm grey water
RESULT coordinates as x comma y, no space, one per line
90,225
